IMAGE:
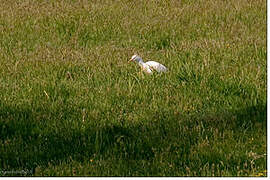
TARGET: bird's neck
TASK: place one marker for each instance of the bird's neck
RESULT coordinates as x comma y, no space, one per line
140,62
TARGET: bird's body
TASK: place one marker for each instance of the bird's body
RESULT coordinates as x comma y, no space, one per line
148,66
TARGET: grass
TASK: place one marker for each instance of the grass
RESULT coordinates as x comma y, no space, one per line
71,105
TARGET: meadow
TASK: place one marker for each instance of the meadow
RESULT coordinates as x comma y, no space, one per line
72,105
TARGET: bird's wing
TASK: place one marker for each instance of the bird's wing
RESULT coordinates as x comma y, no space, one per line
157,66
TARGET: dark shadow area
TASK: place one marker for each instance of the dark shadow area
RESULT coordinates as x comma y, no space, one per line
24,145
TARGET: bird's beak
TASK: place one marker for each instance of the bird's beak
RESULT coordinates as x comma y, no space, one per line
129,60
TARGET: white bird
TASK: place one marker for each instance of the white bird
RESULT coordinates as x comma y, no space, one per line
149,65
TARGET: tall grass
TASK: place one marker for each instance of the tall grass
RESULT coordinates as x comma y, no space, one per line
71,105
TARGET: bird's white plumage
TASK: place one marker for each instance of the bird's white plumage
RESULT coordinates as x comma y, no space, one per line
157,66
149,65
146,68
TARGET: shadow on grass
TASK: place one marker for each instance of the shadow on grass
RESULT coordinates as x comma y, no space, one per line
24,144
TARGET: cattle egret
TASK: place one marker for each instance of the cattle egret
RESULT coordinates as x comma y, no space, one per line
149,65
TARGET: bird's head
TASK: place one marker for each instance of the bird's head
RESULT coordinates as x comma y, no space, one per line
135,58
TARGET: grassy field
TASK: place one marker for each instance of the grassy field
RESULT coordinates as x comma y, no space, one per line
71,105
